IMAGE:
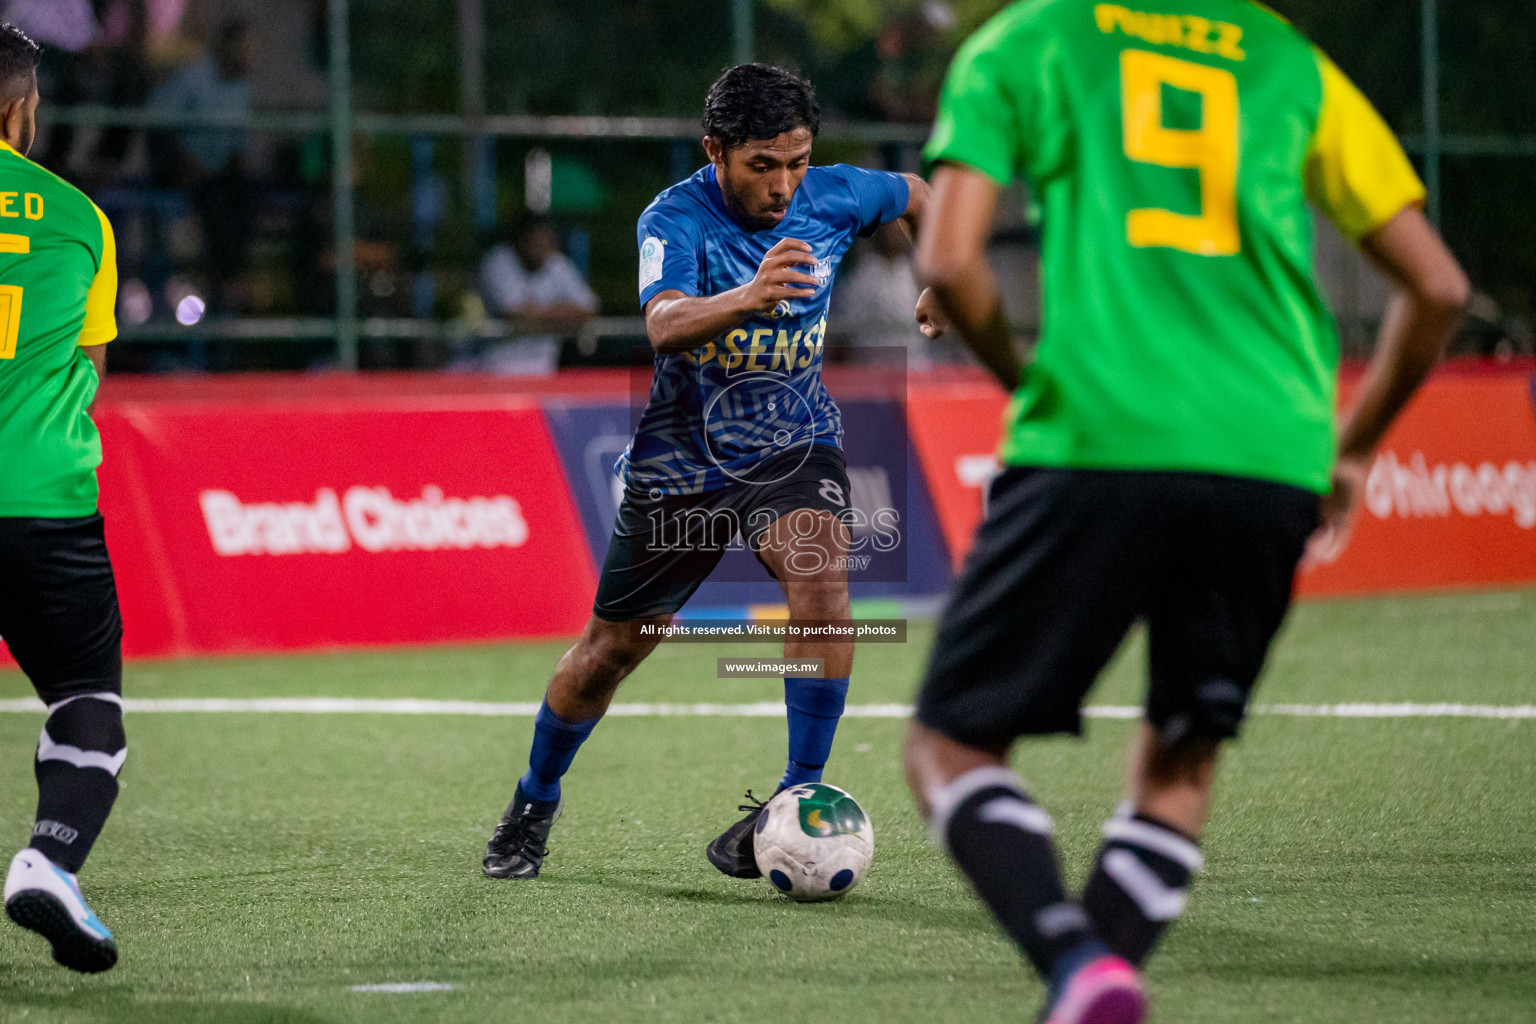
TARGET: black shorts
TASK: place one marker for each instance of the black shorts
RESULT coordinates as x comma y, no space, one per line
58,605
664,546
1067,560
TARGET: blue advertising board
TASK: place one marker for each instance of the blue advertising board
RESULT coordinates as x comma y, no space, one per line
897,549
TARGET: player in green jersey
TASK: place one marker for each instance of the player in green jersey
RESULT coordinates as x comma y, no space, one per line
1170,446
58,599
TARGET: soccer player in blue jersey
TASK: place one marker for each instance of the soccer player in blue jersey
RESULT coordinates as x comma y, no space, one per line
739,435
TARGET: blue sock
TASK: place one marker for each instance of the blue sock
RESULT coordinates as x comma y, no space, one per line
813,707
555,742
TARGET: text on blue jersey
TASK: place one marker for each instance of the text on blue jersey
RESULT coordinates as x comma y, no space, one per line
756,391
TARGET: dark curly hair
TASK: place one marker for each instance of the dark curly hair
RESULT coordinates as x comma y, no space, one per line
758,101
19,56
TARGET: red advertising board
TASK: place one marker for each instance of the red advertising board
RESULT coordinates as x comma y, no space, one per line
339,523
293,513
1451,500
955,429
1451,497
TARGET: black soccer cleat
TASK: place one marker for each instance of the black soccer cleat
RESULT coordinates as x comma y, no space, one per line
519,844
732,851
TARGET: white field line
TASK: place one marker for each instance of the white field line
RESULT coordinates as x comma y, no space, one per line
397,987
765,709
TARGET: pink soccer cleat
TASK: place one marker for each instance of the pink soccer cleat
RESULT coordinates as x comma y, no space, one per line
1106,990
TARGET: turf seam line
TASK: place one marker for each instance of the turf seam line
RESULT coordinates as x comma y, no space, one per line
764,709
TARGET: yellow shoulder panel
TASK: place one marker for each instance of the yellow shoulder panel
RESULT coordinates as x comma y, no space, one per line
101,302
1357,173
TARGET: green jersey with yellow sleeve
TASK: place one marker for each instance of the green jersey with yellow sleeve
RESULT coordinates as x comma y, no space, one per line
1174,147
58,290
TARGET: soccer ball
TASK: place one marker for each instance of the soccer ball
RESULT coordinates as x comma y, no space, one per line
813,842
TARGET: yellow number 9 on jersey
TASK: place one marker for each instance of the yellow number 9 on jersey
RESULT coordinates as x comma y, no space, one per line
10,319
1212,149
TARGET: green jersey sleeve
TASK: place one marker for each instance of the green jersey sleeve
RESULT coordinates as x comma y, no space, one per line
1002,111
976,125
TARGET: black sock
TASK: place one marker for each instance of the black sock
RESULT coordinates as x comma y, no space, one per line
1139,883
1002,841
79,755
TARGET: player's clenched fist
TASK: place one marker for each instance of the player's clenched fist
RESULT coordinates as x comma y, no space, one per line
780,276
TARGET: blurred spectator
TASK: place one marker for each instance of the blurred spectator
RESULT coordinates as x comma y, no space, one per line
896,74
69,25
120,73
64,28
874,306
910,64
531,280
176,30
536,286
219,84
210,162
162,32
377,226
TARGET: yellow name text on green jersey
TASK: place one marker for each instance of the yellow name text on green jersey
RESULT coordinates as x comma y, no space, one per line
1190,31
21,204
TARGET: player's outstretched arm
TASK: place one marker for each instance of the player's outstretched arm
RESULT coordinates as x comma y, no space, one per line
952,262
918,195
1421,319
676,322
929,316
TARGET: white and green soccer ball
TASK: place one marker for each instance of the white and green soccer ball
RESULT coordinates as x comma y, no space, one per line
813,842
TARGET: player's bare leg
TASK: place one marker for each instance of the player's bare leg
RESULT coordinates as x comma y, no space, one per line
806,551
1175,784
1002,841
933,761
1140,879
583,685
589,674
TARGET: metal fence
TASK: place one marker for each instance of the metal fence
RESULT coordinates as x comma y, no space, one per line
341,124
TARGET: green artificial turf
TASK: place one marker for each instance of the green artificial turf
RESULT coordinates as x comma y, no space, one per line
259,866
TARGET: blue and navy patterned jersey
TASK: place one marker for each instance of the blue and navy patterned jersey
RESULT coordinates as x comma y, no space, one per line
718,411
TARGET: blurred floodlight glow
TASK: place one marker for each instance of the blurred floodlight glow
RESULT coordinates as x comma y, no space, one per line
134,303
190,310
939,15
